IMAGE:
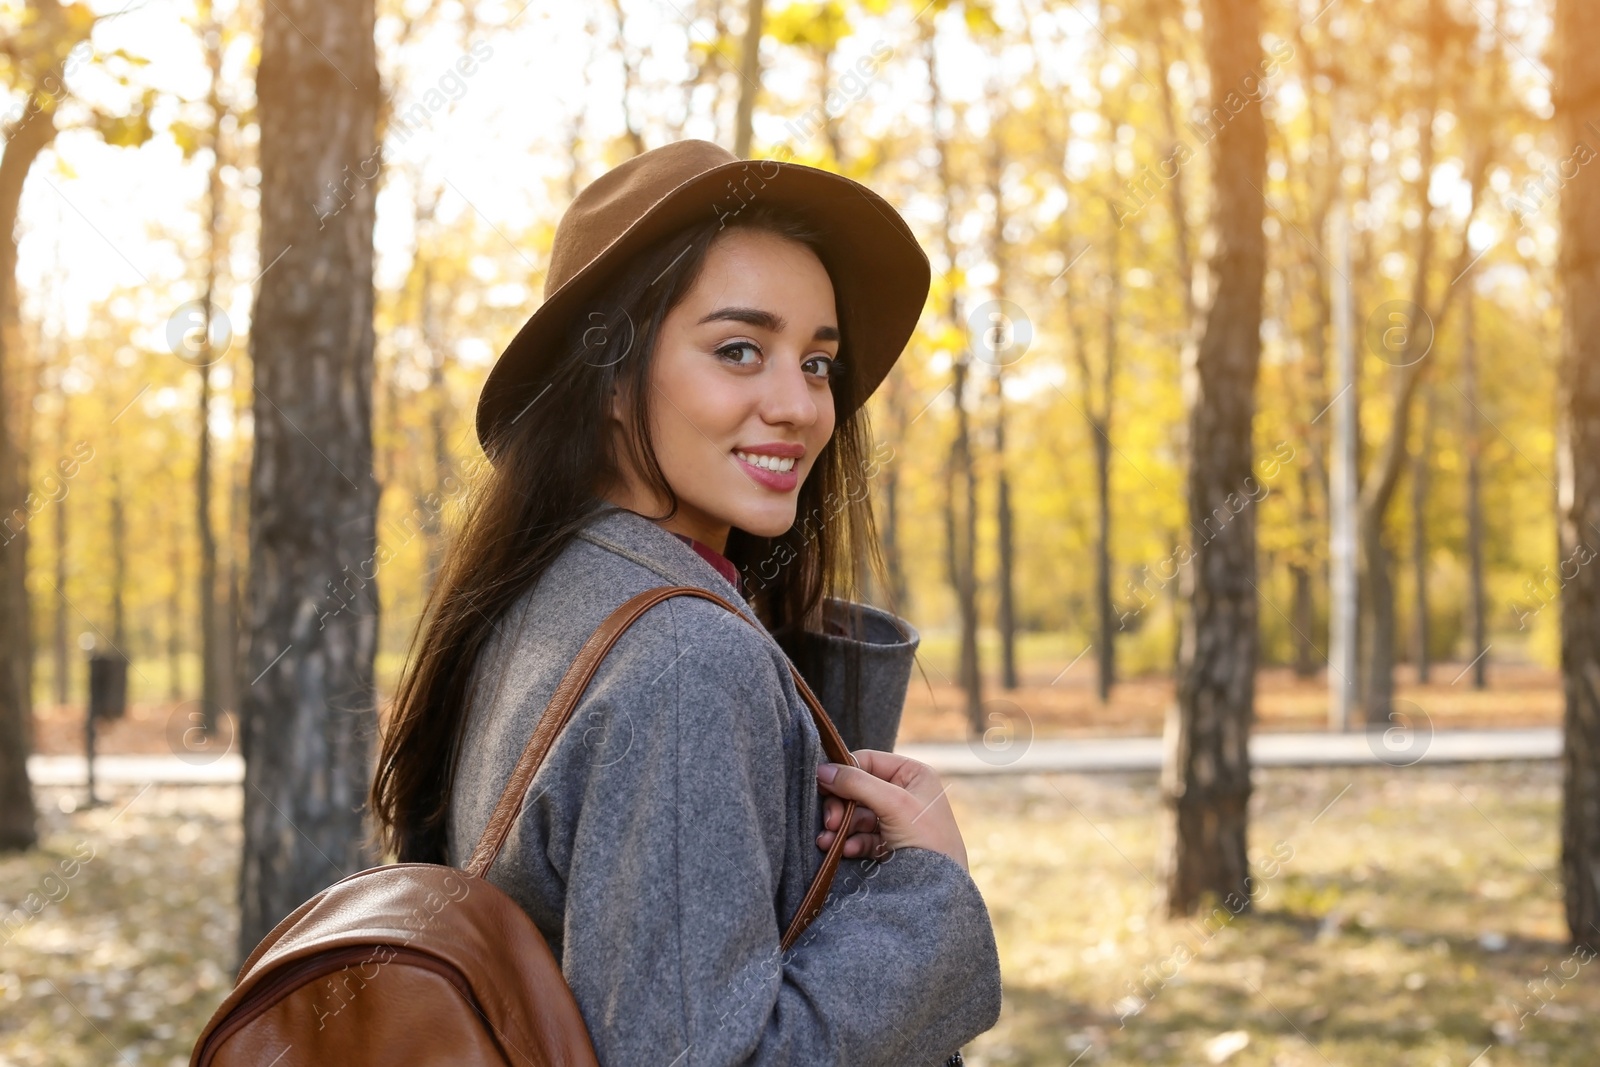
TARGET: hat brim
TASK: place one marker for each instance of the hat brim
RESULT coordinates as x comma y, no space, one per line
880,275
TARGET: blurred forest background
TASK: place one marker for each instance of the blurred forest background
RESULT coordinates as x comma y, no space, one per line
1056,131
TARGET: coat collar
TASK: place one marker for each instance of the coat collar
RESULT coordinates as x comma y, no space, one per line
631,535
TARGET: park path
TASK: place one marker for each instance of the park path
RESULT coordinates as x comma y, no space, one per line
1040,756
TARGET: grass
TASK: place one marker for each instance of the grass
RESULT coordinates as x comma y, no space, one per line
1408,912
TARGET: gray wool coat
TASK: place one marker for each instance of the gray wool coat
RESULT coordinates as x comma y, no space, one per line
671,833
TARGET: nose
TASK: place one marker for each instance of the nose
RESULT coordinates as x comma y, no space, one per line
789,397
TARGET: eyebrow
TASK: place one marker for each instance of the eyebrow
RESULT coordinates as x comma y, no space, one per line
766,320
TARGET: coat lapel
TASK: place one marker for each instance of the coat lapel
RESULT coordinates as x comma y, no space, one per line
631,535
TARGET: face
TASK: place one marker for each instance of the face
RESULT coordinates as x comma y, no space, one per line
740,404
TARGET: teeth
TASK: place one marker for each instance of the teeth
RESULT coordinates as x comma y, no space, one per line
771,463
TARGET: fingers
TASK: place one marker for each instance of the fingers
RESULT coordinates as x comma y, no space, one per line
853,783
857,846
906,797
891,766
916,778
865,820
886,782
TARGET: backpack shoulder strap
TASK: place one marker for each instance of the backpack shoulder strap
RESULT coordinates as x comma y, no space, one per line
565,700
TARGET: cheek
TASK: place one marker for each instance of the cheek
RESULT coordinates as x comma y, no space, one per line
823,429
694,410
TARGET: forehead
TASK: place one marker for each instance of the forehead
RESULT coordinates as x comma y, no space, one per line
756,268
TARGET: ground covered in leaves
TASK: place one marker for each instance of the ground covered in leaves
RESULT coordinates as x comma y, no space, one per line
117,935
1401,917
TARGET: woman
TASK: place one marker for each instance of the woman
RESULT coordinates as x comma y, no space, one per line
685,408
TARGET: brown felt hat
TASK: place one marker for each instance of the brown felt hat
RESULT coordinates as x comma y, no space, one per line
880,274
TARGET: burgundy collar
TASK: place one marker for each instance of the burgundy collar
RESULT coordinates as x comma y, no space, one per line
724,566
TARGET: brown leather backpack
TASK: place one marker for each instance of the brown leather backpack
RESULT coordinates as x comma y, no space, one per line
424,963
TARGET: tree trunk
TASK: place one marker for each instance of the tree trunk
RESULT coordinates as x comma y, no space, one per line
1418,325
308,705
210,665
62,648
1106,660
24,140
234,641
1314,473
1101,426
1097,415
1576,42
1207,777
749,78
1006,610
964,510
961,511
1378,629
1006,618
630,81
433,535
1477,604
1097,420
175,618
1177,201
893,558
1303,610
119,554
1419,535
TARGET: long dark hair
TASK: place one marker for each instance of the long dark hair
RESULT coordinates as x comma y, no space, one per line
549,469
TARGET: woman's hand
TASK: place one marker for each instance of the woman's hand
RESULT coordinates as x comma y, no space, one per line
899,802
865,839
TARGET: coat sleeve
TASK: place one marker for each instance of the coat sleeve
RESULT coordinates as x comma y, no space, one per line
671,931
860,668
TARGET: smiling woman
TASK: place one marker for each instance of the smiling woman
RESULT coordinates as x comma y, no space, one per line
694,381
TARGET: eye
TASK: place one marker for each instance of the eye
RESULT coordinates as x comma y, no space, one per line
824,367
738,346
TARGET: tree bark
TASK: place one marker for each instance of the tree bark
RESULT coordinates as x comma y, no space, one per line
234,641
1379,631
1303,610
437,349
1376,668
1206,778
119,554
308,701
1419,535
175,618
749,77
630,79
1006,610
961,483
24,140
210,645
893,557
963,508
1576,41
1322,186
1098,416
1477,603
61,643
1105,610
1177,200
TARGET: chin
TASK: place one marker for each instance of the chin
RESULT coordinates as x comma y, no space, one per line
765,522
